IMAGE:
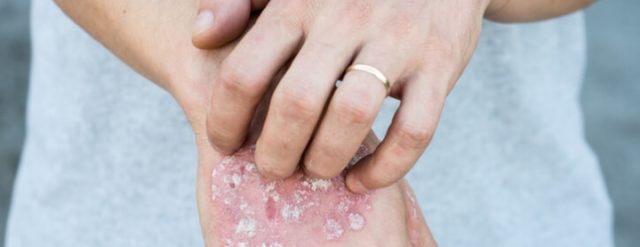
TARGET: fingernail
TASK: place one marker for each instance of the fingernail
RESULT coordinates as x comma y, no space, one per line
204,21
355,185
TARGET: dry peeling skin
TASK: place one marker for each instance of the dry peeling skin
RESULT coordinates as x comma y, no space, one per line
256,212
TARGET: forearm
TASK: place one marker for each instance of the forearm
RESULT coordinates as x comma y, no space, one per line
143,34
532,10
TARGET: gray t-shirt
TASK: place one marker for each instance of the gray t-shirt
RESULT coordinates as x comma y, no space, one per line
110,160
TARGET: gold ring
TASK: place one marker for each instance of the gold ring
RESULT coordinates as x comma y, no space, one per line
373,71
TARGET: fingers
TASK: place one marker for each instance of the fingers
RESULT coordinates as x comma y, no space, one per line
409,134
261,110
371,142
220,21
245,76
439,56
351,112
298,103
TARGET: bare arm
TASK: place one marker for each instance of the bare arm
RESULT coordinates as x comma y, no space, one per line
231,16
142,33
528,10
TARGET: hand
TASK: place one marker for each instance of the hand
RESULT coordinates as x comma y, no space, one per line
239,206
390,216
420,46
187,73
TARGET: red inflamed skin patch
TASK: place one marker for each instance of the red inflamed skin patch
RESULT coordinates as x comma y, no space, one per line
298,211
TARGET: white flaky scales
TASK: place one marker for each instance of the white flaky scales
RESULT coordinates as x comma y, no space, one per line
250,167
276,244
356,221
246,209
233,180
247,226
318,184
291,212
332,229
261,212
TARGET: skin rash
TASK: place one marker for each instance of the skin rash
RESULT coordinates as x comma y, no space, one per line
322,209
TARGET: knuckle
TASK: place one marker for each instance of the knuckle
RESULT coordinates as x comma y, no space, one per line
288,23
288,18
439,49
402,26
413,136
357,13
354,110
295,105
239,83
298,4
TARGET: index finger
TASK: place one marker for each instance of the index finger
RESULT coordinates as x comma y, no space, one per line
245,77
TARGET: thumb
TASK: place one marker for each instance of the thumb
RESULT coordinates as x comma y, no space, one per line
220,21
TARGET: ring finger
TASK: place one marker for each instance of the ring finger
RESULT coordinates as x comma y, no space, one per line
352,110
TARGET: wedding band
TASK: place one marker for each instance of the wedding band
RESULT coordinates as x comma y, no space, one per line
373,71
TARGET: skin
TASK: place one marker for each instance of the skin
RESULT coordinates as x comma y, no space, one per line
422,46
391,215
132,29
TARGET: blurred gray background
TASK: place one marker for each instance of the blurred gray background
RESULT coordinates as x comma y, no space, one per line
611,101
14,78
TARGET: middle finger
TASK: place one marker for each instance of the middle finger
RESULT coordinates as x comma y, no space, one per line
299,100
352,110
